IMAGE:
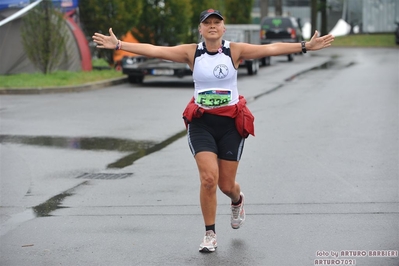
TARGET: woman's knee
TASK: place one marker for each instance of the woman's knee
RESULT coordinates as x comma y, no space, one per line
209,181
208,169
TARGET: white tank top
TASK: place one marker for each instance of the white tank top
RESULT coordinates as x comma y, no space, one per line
215,77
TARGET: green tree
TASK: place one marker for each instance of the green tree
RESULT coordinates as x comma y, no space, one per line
43,37
99,16
238,11
164,22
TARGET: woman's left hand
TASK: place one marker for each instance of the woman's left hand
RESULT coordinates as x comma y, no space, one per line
317,43
105,42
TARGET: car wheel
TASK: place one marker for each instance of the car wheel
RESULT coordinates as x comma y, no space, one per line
140,79
250,67
136,79
265,61
256,66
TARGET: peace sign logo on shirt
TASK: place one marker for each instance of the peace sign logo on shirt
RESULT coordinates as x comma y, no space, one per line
220,71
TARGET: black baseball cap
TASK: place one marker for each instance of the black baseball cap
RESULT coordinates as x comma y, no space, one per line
206,13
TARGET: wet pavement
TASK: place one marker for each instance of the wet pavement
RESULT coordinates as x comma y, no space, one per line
105,177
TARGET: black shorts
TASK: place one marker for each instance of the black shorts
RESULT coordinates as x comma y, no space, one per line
217,134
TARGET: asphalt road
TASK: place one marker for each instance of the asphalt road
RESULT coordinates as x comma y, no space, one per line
105,177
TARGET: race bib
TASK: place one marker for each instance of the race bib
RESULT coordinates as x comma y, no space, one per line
214,97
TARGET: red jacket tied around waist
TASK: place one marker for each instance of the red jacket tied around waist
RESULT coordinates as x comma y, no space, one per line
244,119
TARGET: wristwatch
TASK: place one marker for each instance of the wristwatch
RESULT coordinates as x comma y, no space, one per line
303,47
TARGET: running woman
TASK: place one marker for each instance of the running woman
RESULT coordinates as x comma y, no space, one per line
217,118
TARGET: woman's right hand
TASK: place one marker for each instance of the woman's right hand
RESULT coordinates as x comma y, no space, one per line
105,42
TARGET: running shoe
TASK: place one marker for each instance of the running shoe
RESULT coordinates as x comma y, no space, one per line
238,214
209,244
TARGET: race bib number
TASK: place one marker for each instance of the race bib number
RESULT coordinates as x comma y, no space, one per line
214,97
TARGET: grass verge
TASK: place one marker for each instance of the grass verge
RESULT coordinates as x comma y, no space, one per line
56,79
366,40
59,78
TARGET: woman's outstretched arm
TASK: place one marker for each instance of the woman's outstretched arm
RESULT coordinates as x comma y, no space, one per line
250,51
180,53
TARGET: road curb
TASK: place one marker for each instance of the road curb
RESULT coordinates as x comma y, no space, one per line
65,89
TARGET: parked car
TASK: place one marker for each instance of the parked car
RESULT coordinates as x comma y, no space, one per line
137,67
248,33
397,32
280,29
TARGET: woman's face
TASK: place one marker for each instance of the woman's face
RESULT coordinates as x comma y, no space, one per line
212,27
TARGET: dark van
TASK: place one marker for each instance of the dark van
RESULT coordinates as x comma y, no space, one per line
280,29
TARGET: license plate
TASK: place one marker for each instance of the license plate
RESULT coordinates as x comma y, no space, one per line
163,72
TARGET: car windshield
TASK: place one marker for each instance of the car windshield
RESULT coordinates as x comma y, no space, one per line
271,23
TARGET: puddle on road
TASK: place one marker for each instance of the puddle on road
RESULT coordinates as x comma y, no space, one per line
79,143
41,210
129,159
54,203
138,149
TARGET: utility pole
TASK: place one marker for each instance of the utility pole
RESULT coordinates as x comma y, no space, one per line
278,7
264,8
313,16
323,9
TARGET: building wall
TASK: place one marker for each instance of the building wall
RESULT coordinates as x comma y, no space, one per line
372,16
380,15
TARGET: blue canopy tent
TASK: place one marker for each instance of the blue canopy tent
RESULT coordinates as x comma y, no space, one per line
5,4
63,5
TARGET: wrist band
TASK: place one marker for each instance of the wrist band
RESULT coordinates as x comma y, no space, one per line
303,47
118,45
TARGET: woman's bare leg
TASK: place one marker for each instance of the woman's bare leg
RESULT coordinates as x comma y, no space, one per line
208,168
227,179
